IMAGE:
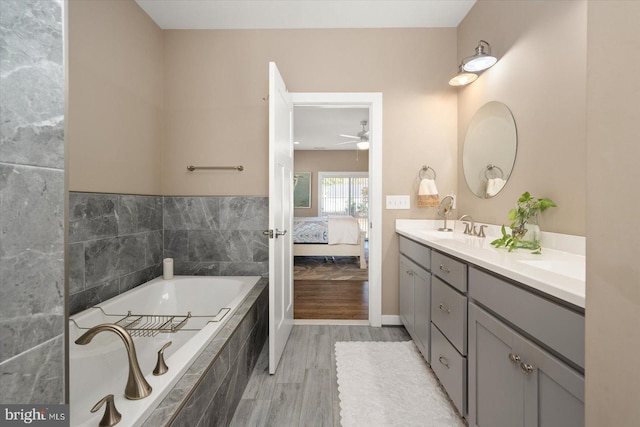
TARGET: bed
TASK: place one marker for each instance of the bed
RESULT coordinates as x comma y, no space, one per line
329,236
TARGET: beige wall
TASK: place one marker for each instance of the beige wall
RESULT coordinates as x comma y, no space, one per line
114,124
613,272
541,77
327,161
215,82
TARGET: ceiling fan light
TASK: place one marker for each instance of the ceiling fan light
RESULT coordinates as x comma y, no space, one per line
363,145
481,60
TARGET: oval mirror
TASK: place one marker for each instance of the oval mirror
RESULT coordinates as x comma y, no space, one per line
489,151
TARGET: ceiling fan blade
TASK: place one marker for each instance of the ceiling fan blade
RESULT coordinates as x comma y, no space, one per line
349,136
347,142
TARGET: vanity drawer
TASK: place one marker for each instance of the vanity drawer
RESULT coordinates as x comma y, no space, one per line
532,313
449,313
450,367
416,252
450,270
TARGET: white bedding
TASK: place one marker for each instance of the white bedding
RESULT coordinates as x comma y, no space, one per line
343,230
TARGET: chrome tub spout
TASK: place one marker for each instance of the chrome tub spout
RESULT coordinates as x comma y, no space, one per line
137,387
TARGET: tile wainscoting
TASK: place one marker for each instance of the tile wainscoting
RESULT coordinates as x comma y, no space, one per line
115,244
217,236
118,241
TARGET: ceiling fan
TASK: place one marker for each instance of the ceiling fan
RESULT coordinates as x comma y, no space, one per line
362,137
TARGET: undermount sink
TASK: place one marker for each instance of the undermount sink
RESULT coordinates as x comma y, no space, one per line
566,268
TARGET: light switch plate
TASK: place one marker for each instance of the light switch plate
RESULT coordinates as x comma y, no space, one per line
399,202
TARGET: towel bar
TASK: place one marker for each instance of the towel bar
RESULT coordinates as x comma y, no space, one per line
239,168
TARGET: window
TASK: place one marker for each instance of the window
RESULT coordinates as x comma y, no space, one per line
345,193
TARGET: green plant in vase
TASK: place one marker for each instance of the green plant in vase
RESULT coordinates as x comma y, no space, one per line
524,228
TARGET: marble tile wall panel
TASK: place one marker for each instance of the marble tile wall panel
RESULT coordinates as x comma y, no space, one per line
31,257
32,83
115,244
32,201
219,236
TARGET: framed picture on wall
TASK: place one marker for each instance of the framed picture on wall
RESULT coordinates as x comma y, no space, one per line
302,189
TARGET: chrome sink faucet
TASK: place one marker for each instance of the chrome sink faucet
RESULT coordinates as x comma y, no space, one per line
468,228
137,387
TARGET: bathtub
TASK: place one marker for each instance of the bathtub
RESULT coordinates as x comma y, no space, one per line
101,367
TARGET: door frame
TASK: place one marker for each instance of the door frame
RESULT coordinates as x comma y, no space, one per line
373,101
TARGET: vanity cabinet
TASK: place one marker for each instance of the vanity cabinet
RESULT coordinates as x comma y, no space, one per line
415,293
518,379
449,326
508,354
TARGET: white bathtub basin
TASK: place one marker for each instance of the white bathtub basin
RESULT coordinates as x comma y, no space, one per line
101,367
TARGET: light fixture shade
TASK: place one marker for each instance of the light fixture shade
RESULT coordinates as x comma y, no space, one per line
363,145
481,60
462,78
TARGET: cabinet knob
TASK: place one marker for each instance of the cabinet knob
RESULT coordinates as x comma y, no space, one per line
526,368
514,358
444,361
444,269
444,308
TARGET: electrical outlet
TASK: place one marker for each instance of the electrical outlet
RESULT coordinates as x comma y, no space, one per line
398,202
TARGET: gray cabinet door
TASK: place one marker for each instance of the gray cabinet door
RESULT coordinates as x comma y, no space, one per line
495,379
406,292
514,382
422,310
553,393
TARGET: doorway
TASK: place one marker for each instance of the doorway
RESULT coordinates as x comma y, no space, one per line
372,102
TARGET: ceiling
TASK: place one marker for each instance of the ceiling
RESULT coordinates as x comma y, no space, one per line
314,127
271,14
319,128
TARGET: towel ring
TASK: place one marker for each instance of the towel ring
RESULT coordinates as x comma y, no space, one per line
492,168
422,174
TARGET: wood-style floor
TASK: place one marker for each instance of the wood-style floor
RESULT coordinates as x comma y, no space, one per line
331,299
304,390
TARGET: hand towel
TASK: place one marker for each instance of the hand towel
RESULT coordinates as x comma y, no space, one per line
494,185
428,194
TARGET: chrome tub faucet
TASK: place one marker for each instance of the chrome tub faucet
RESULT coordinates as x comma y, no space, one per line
137,387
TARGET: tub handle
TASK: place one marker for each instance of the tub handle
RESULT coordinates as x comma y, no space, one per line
161,367
111,415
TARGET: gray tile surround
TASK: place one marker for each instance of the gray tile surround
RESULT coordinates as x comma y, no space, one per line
117,241
31,202
115,244
219,236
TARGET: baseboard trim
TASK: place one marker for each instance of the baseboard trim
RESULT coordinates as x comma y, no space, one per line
330,322
391,319
387,320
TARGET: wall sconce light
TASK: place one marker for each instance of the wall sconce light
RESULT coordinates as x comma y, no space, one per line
462,78
481,60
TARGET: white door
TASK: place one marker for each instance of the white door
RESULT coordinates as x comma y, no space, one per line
280,216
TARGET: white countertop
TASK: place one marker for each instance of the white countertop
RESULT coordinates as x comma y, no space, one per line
559,271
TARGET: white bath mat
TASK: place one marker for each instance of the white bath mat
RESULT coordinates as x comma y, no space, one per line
389,384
